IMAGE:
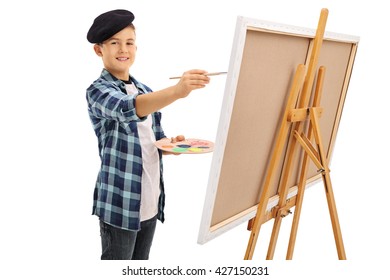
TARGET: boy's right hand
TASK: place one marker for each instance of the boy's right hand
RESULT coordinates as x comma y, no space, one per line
190,80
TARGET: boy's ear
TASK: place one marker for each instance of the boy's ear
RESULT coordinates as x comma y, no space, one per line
98,49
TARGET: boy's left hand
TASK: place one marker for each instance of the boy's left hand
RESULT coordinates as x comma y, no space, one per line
174,140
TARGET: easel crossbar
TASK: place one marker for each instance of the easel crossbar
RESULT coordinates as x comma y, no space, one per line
309,149
298,115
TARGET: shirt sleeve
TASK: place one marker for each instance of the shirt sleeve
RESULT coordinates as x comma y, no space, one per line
157,128
109,102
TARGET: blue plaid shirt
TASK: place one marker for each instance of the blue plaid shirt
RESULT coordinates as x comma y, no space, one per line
117,194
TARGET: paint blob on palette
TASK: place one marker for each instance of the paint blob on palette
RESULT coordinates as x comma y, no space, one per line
188,146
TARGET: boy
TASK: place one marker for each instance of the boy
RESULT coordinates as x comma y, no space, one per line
129,191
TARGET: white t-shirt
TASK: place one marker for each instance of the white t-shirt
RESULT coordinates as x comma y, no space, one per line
150,183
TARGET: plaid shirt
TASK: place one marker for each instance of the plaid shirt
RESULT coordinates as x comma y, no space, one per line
117,194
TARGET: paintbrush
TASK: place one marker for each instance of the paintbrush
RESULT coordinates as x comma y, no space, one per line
207,74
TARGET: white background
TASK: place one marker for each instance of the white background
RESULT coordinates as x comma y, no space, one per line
50,158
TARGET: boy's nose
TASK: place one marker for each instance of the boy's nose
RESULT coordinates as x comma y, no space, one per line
122,48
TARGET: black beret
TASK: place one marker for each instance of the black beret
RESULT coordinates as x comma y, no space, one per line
108,24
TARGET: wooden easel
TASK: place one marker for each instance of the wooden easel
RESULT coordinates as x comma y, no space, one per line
296,113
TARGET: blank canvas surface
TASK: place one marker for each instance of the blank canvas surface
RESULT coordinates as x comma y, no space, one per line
265,76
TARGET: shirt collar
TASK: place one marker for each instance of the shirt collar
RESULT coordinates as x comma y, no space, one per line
111,78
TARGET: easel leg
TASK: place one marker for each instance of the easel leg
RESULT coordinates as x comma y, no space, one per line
334,217
303,102
274,238
283,193
297,211
328,188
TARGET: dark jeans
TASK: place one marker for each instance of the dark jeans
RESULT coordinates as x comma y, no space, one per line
120,244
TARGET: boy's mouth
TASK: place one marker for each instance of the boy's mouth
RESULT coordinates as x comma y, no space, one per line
122,58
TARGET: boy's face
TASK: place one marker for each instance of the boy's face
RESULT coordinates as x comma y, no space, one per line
118,52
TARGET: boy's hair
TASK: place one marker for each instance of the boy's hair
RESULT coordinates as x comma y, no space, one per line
132,26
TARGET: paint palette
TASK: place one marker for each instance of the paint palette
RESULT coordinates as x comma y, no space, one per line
188,146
